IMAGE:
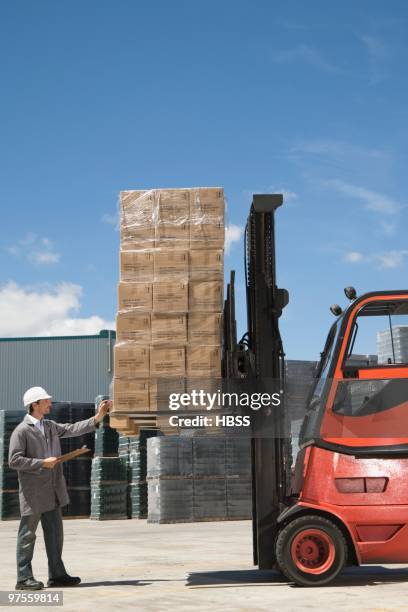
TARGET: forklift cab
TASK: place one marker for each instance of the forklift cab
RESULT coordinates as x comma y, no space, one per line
350,488
360,395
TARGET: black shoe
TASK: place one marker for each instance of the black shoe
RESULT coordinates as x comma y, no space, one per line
30,584
64,581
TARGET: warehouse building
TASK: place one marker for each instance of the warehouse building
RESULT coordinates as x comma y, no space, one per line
71,368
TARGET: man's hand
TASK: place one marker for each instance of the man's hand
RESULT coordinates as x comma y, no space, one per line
103,410
50,463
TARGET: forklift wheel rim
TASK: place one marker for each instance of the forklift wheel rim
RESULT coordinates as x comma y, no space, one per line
313,551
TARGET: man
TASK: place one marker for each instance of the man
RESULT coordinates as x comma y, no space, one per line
34,451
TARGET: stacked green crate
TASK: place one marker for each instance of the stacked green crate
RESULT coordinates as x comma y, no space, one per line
124,453
109,482
137,490
77,471
9,502
106,440
123,445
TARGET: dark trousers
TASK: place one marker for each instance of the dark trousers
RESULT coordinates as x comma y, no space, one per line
51,523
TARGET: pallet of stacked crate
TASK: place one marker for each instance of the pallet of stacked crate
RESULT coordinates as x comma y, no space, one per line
392,345
170,300
137,489
9,499
199,478
238,477
109,482
170,479
209,471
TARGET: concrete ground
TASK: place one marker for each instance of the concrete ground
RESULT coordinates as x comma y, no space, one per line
133,565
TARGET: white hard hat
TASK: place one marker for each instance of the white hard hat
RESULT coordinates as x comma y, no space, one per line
33,395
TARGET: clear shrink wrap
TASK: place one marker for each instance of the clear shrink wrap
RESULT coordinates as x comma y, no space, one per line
170,297
175,218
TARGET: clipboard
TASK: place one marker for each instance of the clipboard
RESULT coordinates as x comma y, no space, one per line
75,453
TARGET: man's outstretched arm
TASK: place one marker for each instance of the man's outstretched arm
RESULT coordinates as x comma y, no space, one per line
71,430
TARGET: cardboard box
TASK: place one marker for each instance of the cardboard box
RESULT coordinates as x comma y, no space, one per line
170,296
173,205
173,235
137,207
171,264
131,360
161,389
136,219
207,203
137,238
203,361
135,296
207,235
206,296
206,265
136,266
204,328
131,395
169,329
131,325
167,361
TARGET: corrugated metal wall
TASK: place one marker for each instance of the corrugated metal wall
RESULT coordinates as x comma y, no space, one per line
76,368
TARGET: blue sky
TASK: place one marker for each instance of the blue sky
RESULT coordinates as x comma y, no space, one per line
305,98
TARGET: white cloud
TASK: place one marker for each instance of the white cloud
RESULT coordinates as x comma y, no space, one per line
306,54
339,149
392,259
44,257
372,200
39,251
353,257
233,234
386,260
46,311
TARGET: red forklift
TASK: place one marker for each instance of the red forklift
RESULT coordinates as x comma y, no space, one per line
346,500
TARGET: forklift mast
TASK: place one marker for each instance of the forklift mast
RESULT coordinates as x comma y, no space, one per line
257,364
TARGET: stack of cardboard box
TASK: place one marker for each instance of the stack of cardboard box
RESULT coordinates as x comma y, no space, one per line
170,300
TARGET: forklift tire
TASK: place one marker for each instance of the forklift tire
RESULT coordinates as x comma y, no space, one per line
311,551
